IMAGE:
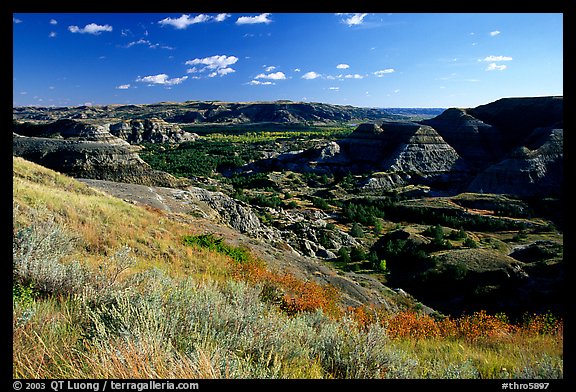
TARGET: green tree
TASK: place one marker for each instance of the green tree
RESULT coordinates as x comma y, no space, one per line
344,255
356,231
470,243
377,227
357,254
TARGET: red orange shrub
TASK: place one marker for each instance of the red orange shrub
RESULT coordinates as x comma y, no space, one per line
296,295
474,327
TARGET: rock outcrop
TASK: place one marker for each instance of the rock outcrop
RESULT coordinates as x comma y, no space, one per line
150,130
475,141
525,172
69,130
517,118
512,146
124,132
91,159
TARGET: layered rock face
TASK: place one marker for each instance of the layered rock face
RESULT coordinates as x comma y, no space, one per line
403,150
531,135
69,130
150,130
475,141
91,159
131,131
526,172
421,150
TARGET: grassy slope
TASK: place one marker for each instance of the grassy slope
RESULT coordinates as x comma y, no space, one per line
140,304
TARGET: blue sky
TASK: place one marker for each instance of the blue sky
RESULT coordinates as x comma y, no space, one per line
365,59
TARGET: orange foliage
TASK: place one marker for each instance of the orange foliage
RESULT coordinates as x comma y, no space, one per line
479,325
297,295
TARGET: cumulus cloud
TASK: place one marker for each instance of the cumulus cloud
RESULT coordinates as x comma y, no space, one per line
16,20
334,88
123,87
52,34
214,62
297,70
53,22
91,28
494,33
353,19
219,65
270,68
185,20
161,79
353,76
310,75
221,17
383,72
342,66
497,58
495,67
272,76
262,18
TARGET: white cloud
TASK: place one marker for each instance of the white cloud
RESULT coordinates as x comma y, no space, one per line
123,87
353,76
257,82
219,65
494,33
16,20
262,18
52,34
142,42
342,66
221,17
214,62
497,58
53,22
297,70
184,21
270,68
495,67
221,72
383,72
272,76
353,19
161,79
91,28
334,88
310,75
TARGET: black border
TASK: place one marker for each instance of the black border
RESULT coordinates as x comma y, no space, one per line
566,7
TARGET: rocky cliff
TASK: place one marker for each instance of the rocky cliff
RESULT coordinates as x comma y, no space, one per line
91,159
123,132
150,130
513,145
